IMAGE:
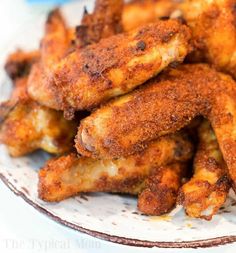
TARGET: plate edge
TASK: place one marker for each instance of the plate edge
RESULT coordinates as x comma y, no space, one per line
217,241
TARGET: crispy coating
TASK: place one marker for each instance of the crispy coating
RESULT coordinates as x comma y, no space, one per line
104,22
53,47
141,12
213,24
161,189
88,77
19,92
55,42
29,126
164,105
20,89
19,63
206,192
70,175
26,126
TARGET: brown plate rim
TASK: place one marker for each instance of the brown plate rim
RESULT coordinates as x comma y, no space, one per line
217,241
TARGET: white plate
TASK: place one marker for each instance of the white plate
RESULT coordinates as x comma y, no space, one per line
109,216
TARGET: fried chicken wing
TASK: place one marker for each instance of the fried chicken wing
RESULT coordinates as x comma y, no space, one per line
214,31
70,175
206,192
54,46
30,126
19,63
26,126
104,22
88,77
212,24
141,12
55,42
161,189
164,105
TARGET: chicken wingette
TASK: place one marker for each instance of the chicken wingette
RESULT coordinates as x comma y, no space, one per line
88,77
69,175
29,126
212,24
104,22
214,31
164,105
26,126
206,192
161,189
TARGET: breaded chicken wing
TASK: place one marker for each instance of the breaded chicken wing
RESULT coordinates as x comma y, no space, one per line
26,126
70,175
206,192
164,105
212,24
104,22
214,31
88,77
161,189
140,12
54,46
29,126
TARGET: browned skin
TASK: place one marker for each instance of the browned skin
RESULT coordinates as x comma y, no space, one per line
53,47
213,24
206,192
114,66
30,126
26,126
19,92
104,22
164,105
141,12
69,175
161,189
19,63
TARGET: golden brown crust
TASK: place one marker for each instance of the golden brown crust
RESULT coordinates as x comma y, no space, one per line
161,189
56,40
206,192
53,47
141,12
29,126
114,66
69,175
26,126
18,93
20,89
213,24
162,106
104,22
19,63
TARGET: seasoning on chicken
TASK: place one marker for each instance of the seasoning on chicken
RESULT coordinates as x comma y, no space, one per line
104,22
53,47
206,192
161,189
162,106
116,65
69,175
19,63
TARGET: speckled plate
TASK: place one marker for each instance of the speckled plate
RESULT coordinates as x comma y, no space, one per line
109,216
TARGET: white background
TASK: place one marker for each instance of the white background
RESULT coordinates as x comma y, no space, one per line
22,228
